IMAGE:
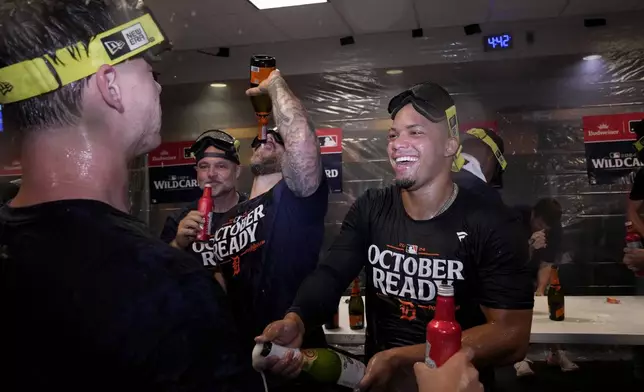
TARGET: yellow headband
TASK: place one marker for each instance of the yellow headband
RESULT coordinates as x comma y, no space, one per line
482,136
42,75
452,124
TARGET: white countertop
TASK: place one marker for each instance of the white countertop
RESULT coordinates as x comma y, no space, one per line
589,320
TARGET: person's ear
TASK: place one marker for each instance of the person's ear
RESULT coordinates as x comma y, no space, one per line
451,147
106,81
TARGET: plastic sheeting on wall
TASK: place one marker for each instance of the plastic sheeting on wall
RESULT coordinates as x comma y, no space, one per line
537,105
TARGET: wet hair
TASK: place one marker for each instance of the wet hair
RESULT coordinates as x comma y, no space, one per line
549,210
30,29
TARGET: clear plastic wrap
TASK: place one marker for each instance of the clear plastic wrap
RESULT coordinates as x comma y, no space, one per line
537,105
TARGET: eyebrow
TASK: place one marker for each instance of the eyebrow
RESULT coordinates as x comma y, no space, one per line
407,127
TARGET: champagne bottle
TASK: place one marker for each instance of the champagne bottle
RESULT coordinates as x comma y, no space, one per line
261,67
356,307
323,364
556,303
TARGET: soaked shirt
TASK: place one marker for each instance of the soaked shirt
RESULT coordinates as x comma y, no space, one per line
93,302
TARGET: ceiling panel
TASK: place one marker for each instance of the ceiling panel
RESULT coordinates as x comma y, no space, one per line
233,30
440,13
504,10
314,21
369,16
594,7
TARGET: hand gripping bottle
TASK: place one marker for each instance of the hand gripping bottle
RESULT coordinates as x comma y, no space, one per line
443,332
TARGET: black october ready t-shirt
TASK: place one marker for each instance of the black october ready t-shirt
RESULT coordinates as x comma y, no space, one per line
266,247
476,246
93,302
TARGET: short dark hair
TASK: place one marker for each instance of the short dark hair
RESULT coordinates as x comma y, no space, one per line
30,29
549,210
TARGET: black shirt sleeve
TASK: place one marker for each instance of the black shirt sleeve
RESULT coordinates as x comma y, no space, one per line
505,273
637,191
319,295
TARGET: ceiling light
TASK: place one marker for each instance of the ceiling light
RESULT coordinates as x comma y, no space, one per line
592,57
268,4
218,85
394,71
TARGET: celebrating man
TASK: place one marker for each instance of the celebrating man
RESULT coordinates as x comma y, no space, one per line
266,246
91,300
484,164
217,155
412,236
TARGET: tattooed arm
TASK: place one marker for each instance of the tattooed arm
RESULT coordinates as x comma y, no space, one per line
301,164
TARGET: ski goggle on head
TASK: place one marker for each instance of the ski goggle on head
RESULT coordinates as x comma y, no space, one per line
435,104
221,141
257,142
141,36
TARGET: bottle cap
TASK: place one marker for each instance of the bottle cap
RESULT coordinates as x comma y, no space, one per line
445,290
207,186
628,223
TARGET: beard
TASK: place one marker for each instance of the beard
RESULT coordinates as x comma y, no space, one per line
404,183
266,166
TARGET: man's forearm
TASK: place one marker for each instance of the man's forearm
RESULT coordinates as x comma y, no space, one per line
301,165
174,244
496,344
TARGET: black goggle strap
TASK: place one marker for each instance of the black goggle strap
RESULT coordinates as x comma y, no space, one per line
257,141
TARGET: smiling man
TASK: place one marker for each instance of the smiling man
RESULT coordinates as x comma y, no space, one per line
410,237
217,158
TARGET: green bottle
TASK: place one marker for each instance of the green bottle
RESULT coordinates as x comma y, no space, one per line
323,364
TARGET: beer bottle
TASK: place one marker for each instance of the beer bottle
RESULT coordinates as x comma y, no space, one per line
261,67
205,206
323,364
555,297
356,307
443,335
334,323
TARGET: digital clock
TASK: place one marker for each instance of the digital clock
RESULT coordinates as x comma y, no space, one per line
497,42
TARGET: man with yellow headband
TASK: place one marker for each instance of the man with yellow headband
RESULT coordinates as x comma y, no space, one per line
411,237
91,300
484,164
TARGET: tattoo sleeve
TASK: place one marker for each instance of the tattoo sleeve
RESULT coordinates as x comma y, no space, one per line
301,164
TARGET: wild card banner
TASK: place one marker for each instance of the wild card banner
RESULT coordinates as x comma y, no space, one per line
173,179
331,149
611,157
172,175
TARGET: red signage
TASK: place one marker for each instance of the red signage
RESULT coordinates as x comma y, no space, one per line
330,140
11,170
610,128
171,154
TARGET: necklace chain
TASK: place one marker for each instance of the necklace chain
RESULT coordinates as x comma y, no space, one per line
448,202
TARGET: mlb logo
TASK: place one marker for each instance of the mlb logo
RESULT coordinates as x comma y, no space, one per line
614,155
412,249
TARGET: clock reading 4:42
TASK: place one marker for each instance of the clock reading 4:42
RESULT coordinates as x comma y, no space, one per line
497,42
